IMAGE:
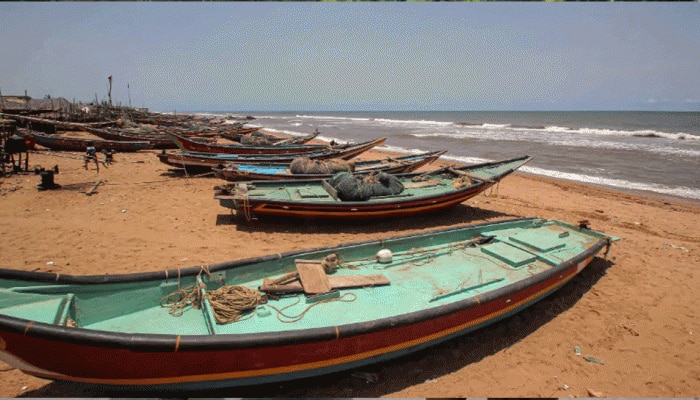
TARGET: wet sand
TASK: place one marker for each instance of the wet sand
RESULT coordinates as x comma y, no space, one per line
635,311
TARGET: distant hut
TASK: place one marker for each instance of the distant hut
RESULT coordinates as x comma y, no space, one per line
48,107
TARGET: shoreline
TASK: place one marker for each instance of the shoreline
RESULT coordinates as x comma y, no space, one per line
635,310
635,192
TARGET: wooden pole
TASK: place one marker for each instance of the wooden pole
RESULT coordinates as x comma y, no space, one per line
110,91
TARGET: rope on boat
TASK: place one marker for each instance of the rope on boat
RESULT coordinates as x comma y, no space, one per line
241,196
347,298
497,186
191,296
228,303
419,253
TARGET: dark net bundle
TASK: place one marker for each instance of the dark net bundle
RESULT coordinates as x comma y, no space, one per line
305,165
255,141
384,184
350,187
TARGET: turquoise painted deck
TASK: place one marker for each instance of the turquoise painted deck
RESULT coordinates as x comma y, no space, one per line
436,185
426,271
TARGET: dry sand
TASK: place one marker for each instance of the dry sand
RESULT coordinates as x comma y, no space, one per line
636,311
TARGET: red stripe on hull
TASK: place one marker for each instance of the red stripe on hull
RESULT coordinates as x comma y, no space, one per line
92,364
362,210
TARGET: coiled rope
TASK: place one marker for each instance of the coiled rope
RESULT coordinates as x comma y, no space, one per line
228,303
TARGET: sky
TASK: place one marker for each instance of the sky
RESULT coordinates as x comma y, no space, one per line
282,56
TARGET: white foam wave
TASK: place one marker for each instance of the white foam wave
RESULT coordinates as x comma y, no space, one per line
384,121
615,183
568,138
286,132
330,117
495,126
590,179
400,150
464,160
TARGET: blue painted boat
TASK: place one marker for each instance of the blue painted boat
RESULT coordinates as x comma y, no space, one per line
279,171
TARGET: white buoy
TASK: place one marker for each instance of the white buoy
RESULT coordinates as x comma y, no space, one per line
384,256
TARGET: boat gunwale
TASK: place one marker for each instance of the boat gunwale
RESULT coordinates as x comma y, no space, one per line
70,143
379,201
166,342
232,171
183,143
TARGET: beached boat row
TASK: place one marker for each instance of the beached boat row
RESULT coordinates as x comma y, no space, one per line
298,314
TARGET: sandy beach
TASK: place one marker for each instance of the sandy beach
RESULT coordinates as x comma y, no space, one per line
636,312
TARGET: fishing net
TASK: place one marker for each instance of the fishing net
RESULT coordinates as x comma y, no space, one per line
354,188
384,184
255,141
305,165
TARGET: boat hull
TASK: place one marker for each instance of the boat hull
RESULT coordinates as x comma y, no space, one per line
141,361
238,172
178,367
317,203
351,210
194,161
63,143
187,144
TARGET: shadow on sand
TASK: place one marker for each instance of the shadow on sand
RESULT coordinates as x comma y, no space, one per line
458,214
394,375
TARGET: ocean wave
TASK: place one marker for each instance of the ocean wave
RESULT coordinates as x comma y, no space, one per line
384,121
288,132
639,133
615,183
678,148
644,134
331,117
506,127
679,191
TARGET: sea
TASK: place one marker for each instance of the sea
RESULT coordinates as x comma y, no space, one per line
654,152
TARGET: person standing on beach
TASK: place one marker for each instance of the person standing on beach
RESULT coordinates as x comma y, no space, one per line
91,154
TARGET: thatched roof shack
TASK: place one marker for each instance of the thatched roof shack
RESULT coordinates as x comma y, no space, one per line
26,105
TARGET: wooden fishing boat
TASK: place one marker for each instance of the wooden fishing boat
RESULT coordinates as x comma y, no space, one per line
203,162
65,143
52,126
322,199
240,130
242,172
157,140
195,161
188,144
284,316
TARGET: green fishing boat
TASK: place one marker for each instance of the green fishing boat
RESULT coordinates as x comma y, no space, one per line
284,316
345,197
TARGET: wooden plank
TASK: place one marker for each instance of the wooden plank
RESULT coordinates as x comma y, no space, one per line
92,190
431,182
313,278
330,189
269,287
284,279
344,282
336,282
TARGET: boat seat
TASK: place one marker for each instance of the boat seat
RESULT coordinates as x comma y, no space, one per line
313,280
432,182
310,193
509,254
